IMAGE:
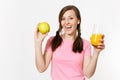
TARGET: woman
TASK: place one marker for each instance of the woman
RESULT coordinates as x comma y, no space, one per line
69,53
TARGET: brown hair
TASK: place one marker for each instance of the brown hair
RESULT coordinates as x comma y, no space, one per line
57,40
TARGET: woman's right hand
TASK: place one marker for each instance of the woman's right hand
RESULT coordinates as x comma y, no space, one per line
39,37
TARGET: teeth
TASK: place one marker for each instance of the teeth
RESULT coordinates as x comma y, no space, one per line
69,27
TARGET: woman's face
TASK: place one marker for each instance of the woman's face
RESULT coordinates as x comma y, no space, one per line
69,22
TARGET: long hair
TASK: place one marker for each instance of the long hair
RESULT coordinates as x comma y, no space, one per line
57,40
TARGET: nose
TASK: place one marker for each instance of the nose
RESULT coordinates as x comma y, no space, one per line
67,21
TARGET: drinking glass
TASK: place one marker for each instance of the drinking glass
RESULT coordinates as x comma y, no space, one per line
97,34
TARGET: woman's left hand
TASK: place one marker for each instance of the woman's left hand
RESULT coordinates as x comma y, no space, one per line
100,47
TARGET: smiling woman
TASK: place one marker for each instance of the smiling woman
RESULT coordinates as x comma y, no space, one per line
69,22
19,19
69,53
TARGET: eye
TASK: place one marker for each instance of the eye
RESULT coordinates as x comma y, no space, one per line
71,18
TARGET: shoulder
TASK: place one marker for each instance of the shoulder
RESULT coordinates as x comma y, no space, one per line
86,47
86,43
51,38
49,41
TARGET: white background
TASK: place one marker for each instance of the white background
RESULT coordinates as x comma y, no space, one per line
18,20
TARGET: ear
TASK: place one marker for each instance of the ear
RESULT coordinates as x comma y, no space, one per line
78,22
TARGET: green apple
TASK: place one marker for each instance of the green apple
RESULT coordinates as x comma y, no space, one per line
43,27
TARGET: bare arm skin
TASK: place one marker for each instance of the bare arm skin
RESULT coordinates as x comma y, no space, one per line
42,59
90,62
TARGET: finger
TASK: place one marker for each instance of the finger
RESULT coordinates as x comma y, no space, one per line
103,36
101,41
36,32
36,29
101,46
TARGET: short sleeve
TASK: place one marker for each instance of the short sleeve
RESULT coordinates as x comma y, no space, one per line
48,47
87,48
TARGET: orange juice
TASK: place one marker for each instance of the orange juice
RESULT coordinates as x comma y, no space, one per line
95,39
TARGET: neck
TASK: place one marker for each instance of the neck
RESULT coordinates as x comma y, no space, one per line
70,36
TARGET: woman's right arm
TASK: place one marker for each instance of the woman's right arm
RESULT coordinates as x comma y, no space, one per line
42,59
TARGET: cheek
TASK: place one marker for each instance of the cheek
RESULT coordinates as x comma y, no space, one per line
75,22
62,23
75,26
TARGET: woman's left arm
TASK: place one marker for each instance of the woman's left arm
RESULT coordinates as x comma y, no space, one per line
90,62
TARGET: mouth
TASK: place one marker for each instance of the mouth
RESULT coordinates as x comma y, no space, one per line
68,27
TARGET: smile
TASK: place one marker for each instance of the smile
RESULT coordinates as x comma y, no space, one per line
68,28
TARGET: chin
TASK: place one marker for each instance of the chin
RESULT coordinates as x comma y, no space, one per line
69,33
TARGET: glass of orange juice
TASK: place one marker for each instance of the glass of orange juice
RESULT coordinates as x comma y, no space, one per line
97,34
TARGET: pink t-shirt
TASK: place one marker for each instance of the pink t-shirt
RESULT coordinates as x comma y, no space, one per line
67,65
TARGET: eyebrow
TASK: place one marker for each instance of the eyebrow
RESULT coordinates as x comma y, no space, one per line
70,16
